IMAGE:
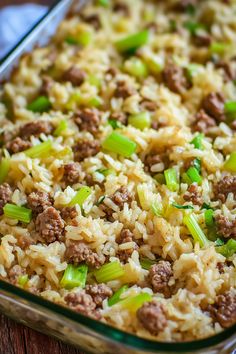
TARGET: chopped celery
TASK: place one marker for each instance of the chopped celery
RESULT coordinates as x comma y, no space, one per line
154,64
195,230
40,104
146,263
228,249
209,218
103,3
94,81
116,296
230,108
115,123
16,212
186,179
94,102
218,48
194,175
74,100
171,179
140,120
119,144
197,141
74,276
133,303
62,126
197,164
192,70
40,150
108,272
106,171
157,209
4,168
83,38
206,206
80,196
23,279
136,67
178,206
132,42
193,27
219,242
230,164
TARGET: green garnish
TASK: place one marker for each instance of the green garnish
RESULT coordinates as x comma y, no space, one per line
209,218
136,67
194,175
140,120
230,109
119,144
133,303
218,48
230,164
95,102
83,38
132,42
193,27
80,196
146,263
74,276
103,3
116,296
219,242
171,179
192,70
94,81
178,206
106,171
62,126
108,272
197,164
228,249
16,212
195,230
157,209
160,178
23,279
206,206
40,150
115,123
40,104
4,168
197,141
100,200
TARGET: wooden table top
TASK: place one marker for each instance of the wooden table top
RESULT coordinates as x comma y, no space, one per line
18,339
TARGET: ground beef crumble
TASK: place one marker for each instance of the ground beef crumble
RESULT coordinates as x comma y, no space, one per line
174,78
193,195
99,292
122,196
224,309
17,145
38,201
203,122
68,213
152,316
126,236
14,273
159,276
88,119
93,20
120,117
213,104
5,195
72,173
123,90
83,149
35,128
226,227
82,303
225,186
74,75
78,252
50,225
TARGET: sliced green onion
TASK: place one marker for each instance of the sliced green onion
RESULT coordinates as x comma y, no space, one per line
116,296
146,263
83,38
132,42
80,196
206,206
4,168
62,126
119,144
100,200
160,178
39,150
115,123
136,67
230,164
171,179
195,230
218,48
197,141
135,302
140,120
178,206
197,164
108,272
193,27
228,249
194,175
74,276
106,171
16,212
209,218
157,209
40,104
219,242
23,279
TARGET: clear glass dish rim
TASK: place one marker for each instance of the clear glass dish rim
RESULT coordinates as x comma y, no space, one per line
116,334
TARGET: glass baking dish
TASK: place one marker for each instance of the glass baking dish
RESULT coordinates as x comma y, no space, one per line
88,334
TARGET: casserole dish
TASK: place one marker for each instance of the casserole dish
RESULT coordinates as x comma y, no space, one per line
74,328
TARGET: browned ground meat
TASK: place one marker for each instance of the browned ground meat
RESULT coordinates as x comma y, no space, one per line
72,173
174,78
93,20
213,104
203,122
202,39
50,225
225,227
126,236
83,303
224,309
122,196
39,201
229,73
159,276
151,160
14,273
193,195
84,149
112,71
35,128
98,292
87,119
225,186
17,145
184,4
74,75
47,83
123,90
152,316
120,117
149,105
5,195
68,213
121,7
78,252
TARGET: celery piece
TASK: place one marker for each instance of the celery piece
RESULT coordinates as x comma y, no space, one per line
140,120
74,276
192,70
197,164
136,67
74,100
228,249
23,279
206,206
209,217
218,48
80,196
116,296
230,164
115,124
219,242
171,179
119,144
194,175
178,206
106,171
16,212
103,3
83,38
135,302
40,150
157,209
94,81
95,101
40,104
4,168
186,179
195,230
132,42
108,272
62,126
154,64
197,141
146,263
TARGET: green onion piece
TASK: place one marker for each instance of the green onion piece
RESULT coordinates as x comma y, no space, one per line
23,279
40,104
195,230
74,276
119,144
4,168
160,178
115,124
157,209
228,249
206,206
116,296
209,218
230,164
186,179
146,263
219,242
39,150
16,212
197,141
194,175
171,179
103,3
62,126
218,48
83,38
197,164
80,196
132,42
178,206
100,200
135,302
108,272
136,67
193,27
140,120
106,171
